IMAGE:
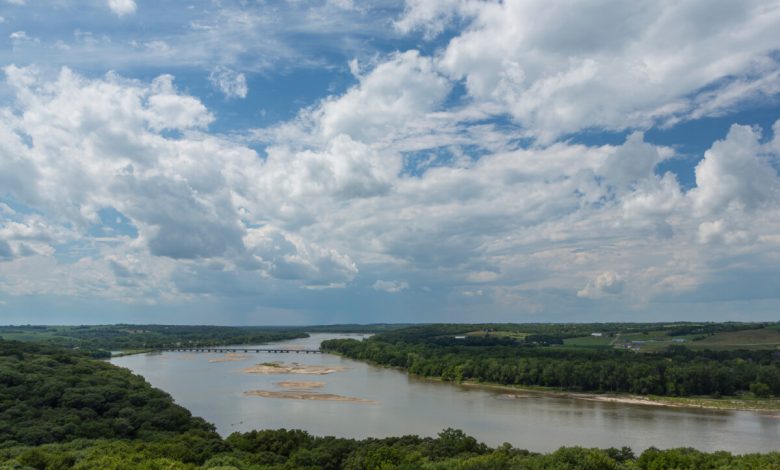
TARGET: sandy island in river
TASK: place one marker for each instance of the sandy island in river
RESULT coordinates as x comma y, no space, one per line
230,357
293,368
300,385
304,395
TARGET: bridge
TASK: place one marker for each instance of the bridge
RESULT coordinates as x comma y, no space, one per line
217,349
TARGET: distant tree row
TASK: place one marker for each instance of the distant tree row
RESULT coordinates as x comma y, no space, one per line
677,371
98,339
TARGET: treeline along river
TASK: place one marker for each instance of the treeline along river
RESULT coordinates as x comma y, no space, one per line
675,371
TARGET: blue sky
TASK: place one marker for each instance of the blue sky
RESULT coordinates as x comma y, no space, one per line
294,162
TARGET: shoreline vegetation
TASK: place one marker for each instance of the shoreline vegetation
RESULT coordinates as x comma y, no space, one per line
764,406
129,352
595,362
99,340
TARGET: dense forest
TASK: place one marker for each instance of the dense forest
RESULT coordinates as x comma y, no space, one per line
99,340
48,394
297,450
438,351
60,409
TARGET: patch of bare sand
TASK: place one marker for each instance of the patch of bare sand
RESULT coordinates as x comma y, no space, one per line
300,385
627,400
305,395
230,357
292,368
514,396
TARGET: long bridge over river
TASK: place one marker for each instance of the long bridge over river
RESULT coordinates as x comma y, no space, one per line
218,349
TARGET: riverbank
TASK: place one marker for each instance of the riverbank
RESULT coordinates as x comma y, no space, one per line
130,352
770,406
763,405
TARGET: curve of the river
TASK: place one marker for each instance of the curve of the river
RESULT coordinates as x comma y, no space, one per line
213,388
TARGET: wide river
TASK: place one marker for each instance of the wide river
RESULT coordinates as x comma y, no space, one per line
214,389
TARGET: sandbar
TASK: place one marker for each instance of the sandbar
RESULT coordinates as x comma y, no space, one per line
300,385
293,368
304,395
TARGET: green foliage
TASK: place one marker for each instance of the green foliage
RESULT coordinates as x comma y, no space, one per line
405,453
760,390
433,351
356,328
52,395
97,340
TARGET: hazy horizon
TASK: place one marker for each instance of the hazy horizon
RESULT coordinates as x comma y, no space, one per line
333,325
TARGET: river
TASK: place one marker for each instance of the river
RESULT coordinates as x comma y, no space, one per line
407,405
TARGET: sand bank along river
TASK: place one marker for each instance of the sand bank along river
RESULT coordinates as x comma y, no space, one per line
353,399
305,395
292,368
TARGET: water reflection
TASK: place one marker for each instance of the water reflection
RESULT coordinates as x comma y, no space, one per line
408,405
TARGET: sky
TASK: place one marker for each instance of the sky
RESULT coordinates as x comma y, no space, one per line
335,161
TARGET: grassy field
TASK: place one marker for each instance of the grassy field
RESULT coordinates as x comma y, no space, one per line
31,334
498,334
764,338
590,342
651,337
650,341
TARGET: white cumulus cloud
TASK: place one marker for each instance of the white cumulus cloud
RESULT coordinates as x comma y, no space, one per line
231,83
122,7
559,68
606,283
392,287
734,174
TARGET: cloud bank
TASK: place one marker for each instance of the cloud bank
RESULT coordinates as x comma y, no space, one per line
453,182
